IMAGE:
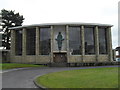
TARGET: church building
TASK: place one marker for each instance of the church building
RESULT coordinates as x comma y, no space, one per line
68,43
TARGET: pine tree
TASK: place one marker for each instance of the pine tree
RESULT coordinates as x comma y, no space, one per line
9,19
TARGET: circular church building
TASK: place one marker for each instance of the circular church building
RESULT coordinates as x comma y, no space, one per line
61,43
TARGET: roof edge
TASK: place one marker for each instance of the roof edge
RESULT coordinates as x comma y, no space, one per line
49,24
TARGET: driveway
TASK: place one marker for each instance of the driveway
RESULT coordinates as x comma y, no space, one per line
23,78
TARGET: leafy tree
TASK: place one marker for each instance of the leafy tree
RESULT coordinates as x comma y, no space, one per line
9,19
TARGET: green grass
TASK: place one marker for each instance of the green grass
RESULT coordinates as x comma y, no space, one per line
83,78
4,66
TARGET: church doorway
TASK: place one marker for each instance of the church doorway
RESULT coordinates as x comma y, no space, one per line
60,57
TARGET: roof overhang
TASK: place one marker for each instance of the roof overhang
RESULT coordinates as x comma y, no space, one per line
53,24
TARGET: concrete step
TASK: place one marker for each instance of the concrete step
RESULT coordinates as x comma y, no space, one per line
57,64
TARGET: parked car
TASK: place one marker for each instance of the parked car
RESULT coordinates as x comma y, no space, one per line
118,59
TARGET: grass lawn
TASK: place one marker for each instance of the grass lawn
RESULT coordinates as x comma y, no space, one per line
4,66
83,78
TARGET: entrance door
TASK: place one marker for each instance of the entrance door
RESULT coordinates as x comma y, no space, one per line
60,57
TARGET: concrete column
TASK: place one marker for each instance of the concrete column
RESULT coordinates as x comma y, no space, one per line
109,44
37,41
114,54
51,44
12,42
82,42
96,43
37,44
67,41
24,42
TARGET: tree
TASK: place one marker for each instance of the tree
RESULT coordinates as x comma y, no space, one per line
9,19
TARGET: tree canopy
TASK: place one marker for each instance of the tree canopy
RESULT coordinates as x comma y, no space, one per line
9,19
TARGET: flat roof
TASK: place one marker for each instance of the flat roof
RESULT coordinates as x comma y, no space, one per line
53,24
118,48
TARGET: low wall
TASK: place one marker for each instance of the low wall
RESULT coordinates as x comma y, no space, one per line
87,58
31,59
5,56
75,59
44,59
103,58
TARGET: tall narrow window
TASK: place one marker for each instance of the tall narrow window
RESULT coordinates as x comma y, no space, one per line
74,40
89,40
30,41
102,41
18,42
45,44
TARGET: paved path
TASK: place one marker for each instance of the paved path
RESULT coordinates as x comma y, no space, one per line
23,78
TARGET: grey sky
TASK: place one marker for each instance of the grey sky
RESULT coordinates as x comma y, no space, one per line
53,11
119,24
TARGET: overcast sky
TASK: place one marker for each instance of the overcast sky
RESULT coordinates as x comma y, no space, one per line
54,11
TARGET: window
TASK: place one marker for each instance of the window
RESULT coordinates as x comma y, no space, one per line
89,40
75,40
102,41
45,41
18,42
30,41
